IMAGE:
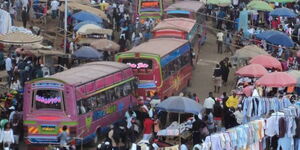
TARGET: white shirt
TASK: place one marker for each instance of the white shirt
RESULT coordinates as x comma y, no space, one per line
209,103
220,36
54,5
183,147
235,2
272,125
8,64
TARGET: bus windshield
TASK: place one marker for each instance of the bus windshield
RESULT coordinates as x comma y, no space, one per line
178,15
149,5
48,99
139,65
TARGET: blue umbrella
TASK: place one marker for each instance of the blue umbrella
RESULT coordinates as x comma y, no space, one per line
276,38
86,16
78,25
180,104
87,52
284,12
280,39
266,34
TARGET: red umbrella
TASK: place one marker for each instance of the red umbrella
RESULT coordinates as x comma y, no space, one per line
248,90
276,79
252,70
267,61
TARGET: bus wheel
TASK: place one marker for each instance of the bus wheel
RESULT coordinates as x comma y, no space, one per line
189,83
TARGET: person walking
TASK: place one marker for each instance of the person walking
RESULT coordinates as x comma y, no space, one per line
148,128
209,103
7,136
228,40
225,68
54,8
25,16
220,37
63,137
217,77
9,68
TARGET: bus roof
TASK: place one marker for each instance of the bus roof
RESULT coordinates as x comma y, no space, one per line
182,24
159,46
192,6
88,72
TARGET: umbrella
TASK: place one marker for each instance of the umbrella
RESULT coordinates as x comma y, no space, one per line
267,61
248,90
219,2
180,105
276,37
79,25
84,28
284,12
252,70
105,45
86,52
276,79
281,39
86,16
249,51
20,38
282,1
266,34
296,75
259,5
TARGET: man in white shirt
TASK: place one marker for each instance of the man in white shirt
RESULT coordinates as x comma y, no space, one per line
9,68
209,103
54,8
220,37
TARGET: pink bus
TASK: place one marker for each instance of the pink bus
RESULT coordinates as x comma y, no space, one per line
87,99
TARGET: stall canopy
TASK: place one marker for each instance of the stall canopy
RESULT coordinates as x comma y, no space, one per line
105,45
249,51
283,12
19,38
252,70
276,79
267,61
87,53
296,75
39,52
86,16
282,1
93,29
78,6
180,104
259,5
219,2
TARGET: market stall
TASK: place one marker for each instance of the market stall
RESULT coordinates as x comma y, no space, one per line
179,128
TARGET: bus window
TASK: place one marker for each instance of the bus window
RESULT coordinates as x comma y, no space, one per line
48,99
176,65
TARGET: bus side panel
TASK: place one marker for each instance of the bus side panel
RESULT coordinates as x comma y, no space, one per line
89,123
177,82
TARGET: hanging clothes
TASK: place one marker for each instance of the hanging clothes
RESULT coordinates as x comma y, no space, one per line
5,22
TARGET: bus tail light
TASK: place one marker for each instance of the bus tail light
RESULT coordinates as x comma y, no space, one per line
72,131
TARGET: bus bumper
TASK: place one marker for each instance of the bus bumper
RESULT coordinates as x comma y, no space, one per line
42,140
